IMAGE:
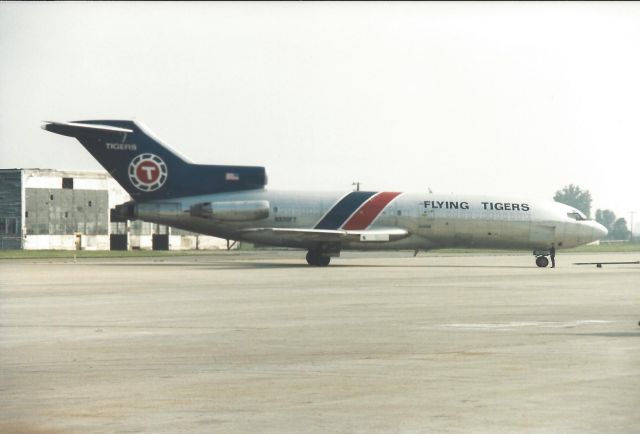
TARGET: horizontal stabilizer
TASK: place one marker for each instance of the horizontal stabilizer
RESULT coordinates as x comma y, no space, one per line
73,129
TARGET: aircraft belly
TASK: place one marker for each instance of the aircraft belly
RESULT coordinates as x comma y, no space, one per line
412,242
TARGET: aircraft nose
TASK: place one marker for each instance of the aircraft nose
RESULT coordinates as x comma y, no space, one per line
599,231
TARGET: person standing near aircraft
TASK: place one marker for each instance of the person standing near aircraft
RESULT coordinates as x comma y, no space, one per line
552,255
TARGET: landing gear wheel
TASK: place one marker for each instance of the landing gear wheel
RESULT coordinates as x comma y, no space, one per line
542,261
317,259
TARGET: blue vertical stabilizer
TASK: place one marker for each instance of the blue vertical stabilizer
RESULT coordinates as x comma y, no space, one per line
148,169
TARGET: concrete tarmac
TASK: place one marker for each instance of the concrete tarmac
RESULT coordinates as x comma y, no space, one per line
261,342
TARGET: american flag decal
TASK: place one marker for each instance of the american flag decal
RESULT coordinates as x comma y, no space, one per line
231,176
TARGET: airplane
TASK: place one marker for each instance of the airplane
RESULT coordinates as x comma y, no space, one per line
232,202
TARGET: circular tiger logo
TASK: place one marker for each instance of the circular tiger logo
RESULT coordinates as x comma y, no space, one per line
147,172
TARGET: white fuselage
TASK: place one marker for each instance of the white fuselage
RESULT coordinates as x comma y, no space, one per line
430,220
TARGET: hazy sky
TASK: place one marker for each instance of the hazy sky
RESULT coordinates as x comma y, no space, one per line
499,98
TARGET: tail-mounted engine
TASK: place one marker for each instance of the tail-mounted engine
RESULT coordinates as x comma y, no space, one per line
237,211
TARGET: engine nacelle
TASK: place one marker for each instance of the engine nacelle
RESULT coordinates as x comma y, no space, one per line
237,211
149,211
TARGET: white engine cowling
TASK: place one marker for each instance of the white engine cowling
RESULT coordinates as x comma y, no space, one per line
237,211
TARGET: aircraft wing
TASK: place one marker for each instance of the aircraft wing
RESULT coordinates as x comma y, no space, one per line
377,235
306,236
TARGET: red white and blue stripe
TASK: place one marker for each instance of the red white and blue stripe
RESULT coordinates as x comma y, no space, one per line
357,210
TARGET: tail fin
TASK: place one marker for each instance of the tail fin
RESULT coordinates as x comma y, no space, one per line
148,169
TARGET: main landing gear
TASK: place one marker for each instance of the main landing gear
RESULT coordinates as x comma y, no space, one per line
317,259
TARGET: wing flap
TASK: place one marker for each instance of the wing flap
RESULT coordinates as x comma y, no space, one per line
328,235
378,235
301,235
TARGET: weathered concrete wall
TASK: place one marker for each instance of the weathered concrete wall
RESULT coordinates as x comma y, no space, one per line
66,242
199,242
142,242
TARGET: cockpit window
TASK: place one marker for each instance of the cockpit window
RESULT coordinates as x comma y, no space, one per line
576,216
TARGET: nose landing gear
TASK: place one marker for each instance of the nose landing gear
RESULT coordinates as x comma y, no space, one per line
542,261
541,257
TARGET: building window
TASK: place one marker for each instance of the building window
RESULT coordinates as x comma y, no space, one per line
51,197
67,183
3,226
12,227
89,203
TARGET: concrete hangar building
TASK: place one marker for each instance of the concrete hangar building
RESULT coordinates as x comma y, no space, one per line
70,210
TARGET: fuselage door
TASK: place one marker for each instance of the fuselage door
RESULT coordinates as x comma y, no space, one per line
425,219
542,235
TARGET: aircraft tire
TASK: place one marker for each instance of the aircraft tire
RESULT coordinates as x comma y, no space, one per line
314,258
324,261
542,261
